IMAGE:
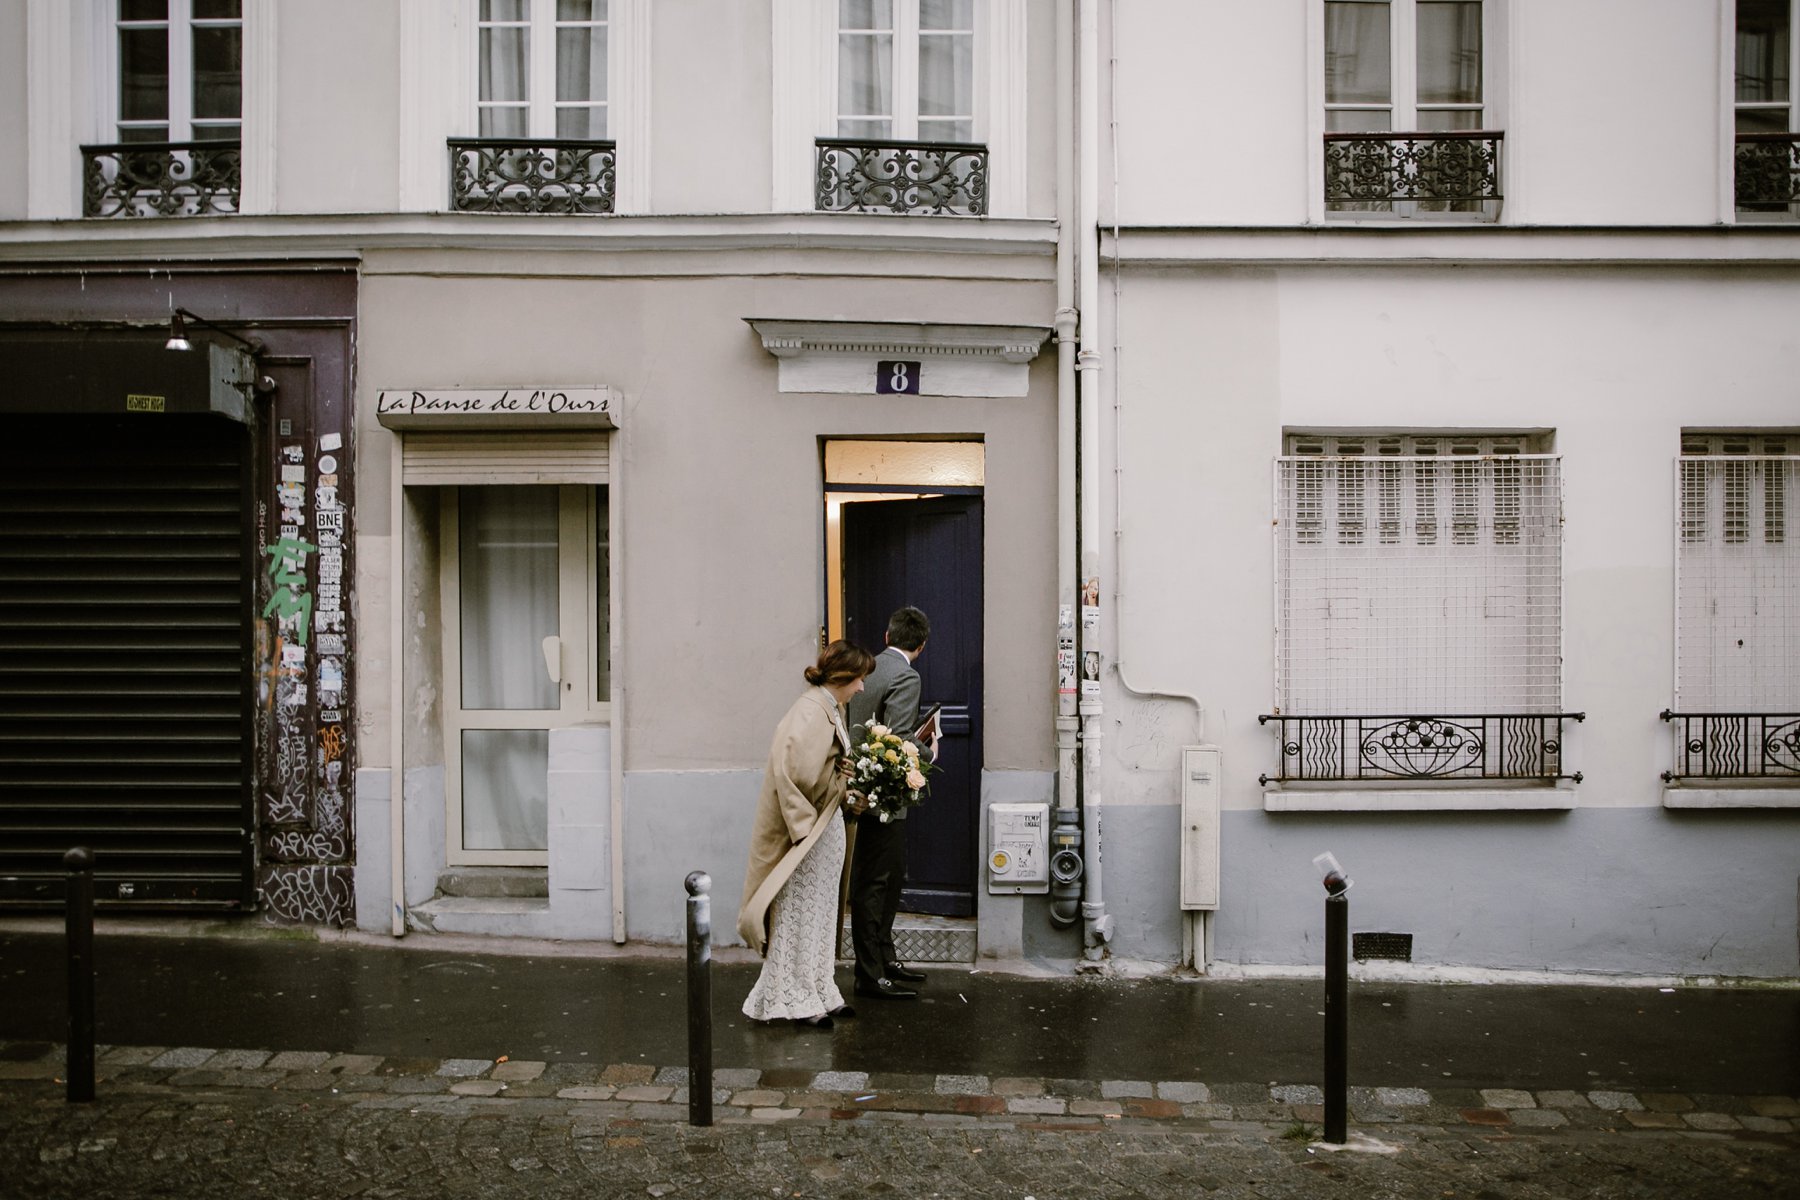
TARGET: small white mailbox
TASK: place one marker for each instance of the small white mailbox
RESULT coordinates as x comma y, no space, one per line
1018,858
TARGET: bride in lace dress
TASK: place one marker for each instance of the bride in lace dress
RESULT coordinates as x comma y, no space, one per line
790,904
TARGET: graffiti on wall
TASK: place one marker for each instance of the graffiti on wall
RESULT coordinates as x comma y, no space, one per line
303,656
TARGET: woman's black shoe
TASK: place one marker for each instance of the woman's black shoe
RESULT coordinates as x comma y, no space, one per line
822,1021
842,1011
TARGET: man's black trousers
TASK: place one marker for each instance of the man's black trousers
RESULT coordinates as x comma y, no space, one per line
877,871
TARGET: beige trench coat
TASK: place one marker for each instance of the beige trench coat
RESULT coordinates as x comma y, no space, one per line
801,794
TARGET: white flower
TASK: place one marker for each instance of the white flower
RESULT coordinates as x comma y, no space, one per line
884,816
910,750
878,730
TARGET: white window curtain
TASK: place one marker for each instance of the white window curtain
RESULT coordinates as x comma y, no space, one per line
508,593
906,69
542,69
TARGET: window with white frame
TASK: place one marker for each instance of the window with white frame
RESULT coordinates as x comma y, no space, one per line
180,70
542,69
1738,573
1406,107
906,70
1768,146
1418,580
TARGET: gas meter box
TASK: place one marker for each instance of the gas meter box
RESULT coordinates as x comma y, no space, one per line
1018,860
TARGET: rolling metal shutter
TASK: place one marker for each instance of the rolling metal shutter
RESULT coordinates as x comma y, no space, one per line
126,725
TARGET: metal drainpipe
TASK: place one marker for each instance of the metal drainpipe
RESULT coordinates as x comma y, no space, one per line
1096,923
1065,897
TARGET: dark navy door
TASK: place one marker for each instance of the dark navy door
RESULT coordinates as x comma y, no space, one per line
927,553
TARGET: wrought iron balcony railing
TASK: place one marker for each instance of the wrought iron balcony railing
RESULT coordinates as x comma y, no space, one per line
1460,166
1768,171
160,179
543,175
1511,746
874,175
1735,746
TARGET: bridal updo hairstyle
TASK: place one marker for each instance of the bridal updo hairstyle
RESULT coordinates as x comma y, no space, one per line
840,663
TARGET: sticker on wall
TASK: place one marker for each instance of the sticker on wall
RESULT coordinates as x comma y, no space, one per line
1090,674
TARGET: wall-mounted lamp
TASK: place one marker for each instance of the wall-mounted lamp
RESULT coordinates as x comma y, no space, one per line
178,340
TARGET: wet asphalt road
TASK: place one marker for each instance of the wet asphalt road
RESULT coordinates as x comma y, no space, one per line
266,993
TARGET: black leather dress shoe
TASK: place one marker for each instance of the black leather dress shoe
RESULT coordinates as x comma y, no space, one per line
886,989
904,974
822,1021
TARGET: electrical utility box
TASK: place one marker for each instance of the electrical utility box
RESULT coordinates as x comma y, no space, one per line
1018,859
1201,767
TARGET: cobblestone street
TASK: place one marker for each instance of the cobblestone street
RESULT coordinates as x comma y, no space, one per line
245,1123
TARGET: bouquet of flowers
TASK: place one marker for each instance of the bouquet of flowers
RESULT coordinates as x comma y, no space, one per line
887,770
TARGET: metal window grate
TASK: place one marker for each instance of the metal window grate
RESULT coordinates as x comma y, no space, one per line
1455,606
1737,619
1395,947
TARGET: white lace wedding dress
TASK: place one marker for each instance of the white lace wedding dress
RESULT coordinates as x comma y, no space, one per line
796,979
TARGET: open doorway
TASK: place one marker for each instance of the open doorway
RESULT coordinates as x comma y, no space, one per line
904,526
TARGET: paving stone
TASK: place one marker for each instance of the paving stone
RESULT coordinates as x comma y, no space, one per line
1557,1099
1403,1097
1014,1085
1074,1089
261,1079
736,1077
1118,1089
645,1111
1774,1106
296,1060
1050,1106
773,1114
1375,1114
239,1060
1666,1102
675,1076
1616,1101
1138,1106
309,1081
1655,1120
584,1092
962,1085
1096,1108
1207,1112
464,1068
1767,1124
1718,1122
134,1056
32,1070
1183,1093
416,1085
758,1098
408,1066
840,1081
983,1105
353,1064
1537,1118
625,1074
645,1092
517,1072
782,1078
1506,1098
197,1077
477,1087
182,1056
1296,1093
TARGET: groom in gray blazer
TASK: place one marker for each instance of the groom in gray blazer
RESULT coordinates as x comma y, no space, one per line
890,697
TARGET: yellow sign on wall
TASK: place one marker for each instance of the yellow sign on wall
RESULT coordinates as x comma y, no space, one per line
137,403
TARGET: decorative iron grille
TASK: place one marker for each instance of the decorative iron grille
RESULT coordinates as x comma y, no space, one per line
1420,747
546,175
874,175
1461,166
1768,171
160,179
1735,745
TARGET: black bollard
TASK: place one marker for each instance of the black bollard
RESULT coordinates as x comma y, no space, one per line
1337,1008
699,991
79,921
